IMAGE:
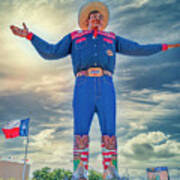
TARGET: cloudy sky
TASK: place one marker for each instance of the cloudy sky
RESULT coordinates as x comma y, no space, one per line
148,88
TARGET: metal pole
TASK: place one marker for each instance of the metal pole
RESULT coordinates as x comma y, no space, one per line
25,157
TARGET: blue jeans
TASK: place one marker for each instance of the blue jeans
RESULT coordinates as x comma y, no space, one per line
94,95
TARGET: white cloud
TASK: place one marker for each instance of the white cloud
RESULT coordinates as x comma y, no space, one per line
137,109
137,126
160,143
56,88
170,145
49,149
174,85
150,138
43,139
140,3
134,4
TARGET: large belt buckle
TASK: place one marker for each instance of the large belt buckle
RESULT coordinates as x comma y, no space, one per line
95,72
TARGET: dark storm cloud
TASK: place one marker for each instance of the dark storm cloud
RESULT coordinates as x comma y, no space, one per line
61,135
152,72
12,147
143,102
64,106
166,124
145,21
14,151
22,105
144,152
60,129
136,23
30,105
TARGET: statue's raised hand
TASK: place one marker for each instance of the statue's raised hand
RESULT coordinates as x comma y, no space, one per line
173,45
18,31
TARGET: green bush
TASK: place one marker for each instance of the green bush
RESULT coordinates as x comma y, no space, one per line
46,174
59,174
94,175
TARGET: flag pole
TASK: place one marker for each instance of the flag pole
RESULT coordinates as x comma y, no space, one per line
25,156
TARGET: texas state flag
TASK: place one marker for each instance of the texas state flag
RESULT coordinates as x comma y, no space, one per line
16,128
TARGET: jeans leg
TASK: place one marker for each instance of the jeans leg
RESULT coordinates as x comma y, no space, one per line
83,105
83,109
106,106
106,110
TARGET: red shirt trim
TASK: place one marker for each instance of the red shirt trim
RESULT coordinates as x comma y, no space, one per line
77,34
108,40
107,34
29,36
80,40
164,47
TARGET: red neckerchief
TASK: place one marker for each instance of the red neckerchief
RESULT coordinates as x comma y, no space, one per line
95,33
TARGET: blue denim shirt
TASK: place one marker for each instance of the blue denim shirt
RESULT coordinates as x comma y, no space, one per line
87,51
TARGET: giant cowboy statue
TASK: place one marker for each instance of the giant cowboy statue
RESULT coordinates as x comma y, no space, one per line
93,53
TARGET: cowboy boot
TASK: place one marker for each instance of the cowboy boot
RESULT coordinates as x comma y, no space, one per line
81,155
109,153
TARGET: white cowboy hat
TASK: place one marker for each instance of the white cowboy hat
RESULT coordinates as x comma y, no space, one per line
88,8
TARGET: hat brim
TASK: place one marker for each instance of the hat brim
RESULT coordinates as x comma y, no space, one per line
93,6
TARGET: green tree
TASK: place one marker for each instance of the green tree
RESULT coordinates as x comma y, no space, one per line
58,174
42,174
94,175
61,174
46,174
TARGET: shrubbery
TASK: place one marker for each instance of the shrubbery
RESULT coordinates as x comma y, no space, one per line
60,174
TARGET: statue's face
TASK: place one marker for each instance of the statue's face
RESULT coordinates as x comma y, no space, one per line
95,21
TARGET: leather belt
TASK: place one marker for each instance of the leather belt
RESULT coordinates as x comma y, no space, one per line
94,72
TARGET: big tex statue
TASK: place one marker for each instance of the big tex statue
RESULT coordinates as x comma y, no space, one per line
93,53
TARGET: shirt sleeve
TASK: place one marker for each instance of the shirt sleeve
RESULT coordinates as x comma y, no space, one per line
128,47
52,51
